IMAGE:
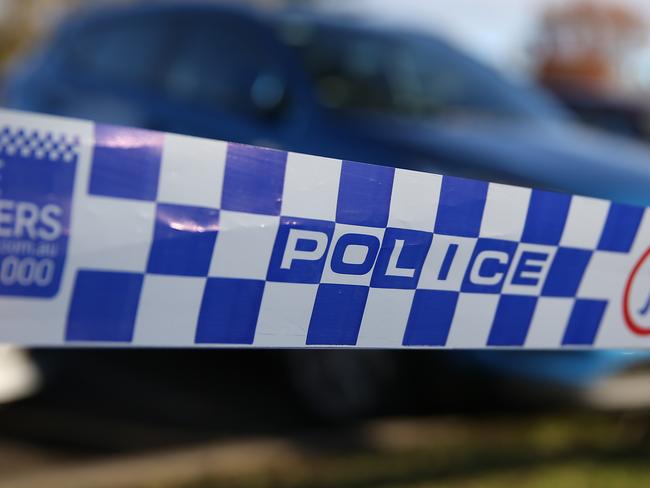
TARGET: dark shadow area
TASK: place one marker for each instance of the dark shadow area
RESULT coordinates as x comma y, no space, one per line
99,401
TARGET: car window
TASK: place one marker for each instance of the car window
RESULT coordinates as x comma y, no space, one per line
123,51
226,62
412,76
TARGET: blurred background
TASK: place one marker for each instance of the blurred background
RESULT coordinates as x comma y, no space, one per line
554,94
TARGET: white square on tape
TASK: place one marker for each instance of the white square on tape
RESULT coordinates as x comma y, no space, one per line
549,322
37,322
584,223
285,314
111,234
414,200
311,187
473,320
385,317
192,171
168,311
505,212
244,245
613,331
605,275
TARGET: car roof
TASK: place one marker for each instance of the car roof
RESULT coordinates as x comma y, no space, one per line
98,13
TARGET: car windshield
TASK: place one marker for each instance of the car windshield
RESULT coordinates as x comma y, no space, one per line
407,76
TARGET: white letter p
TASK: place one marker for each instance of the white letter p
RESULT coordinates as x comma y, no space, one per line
291,252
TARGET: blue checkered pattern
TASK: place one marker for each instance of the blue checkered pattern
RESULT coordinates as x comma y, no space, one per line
378,256
159,239
38,145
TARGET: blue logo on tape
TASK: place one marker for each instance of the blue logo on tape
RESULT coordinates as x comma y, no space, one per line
36,181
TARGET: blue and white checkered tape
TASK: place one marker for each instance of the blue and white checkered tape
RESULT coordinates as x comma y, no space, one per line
111,235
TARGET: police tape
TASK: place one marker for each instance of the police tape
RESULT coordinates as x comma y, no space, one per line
112,235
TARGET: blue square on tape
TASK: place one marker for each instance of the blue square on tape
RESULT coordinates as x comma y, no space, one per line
430,318
461,205
126,163
584,322
253,180
104,306
566,272
364,194
300,250
547,213
512,320
401,258
336,317
183,240
620,227
229,311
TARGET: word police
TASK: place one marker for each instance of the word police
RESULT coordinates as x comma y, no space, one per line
308,251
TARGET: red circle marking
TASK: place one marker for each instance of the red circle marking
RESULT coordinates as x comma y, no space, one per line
634,327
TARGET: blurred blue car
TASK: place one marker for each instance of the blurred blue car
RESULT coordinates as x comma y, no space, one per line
341,88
